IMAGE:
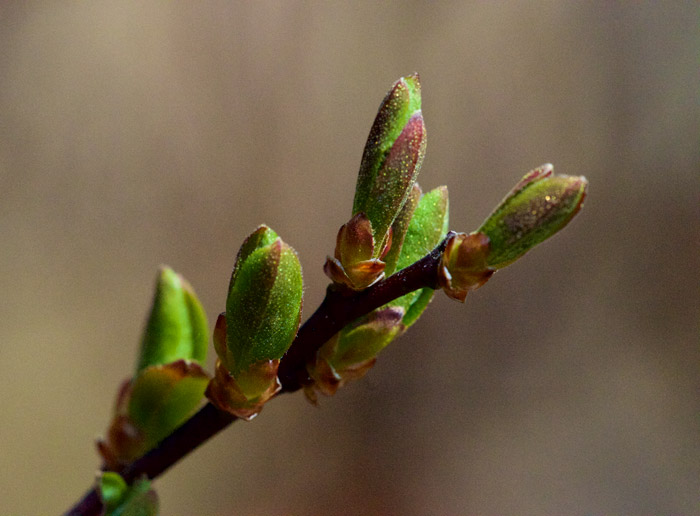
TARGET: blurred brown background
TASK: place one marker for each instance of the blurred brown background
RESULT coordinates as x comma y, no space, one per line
134,134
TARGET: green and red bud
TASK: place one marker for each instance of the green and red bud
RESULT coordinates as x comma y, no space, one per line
353,351
392,158
169,382
535,209
390,164
263,311
463,265
354,263
420,226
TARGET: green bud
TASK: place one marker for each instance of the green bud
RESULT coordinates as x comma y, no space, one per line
263,311
392,158
427,228
420,226
263,308
538,206
365,339
162,397
149,407
169,382
120,499
177,326
352,351
112,488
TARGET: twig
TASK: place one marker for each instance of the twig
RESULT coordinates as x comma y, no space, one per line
336,311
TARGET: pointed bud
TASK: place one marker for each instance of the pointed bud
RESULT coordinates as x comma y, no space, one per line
352,351
169,382
463,265
392,158
353,264
177,325
263,310
538,206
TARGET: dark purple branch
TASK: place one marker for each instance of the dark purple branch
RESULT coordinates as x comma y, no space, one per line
337,310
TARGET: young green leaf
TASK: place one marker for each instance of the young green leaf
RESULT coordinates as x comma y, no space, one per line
427,228
162,397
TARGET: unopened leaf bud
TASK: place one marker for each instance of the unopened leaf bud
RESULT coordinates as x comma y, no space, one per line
535,209
263,310
354,263
463,265
352,352
392,158
169,381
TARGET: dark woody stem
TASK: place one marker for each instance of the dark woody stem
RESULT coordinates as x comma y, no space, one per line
338,309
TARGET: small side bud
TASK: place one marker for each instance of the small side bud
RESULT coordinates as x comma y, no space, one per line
392,158
535,209
354,264
263,311
352,352
463,266
120,499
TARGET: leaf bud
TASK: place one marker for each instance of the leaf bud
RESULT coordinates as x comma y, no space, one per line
354,264
392,158
177,325
263,311
169,381
535,209
352,351
463,264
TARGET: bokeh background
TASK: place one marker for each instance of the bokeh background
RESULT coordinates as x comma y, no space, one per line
139,133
